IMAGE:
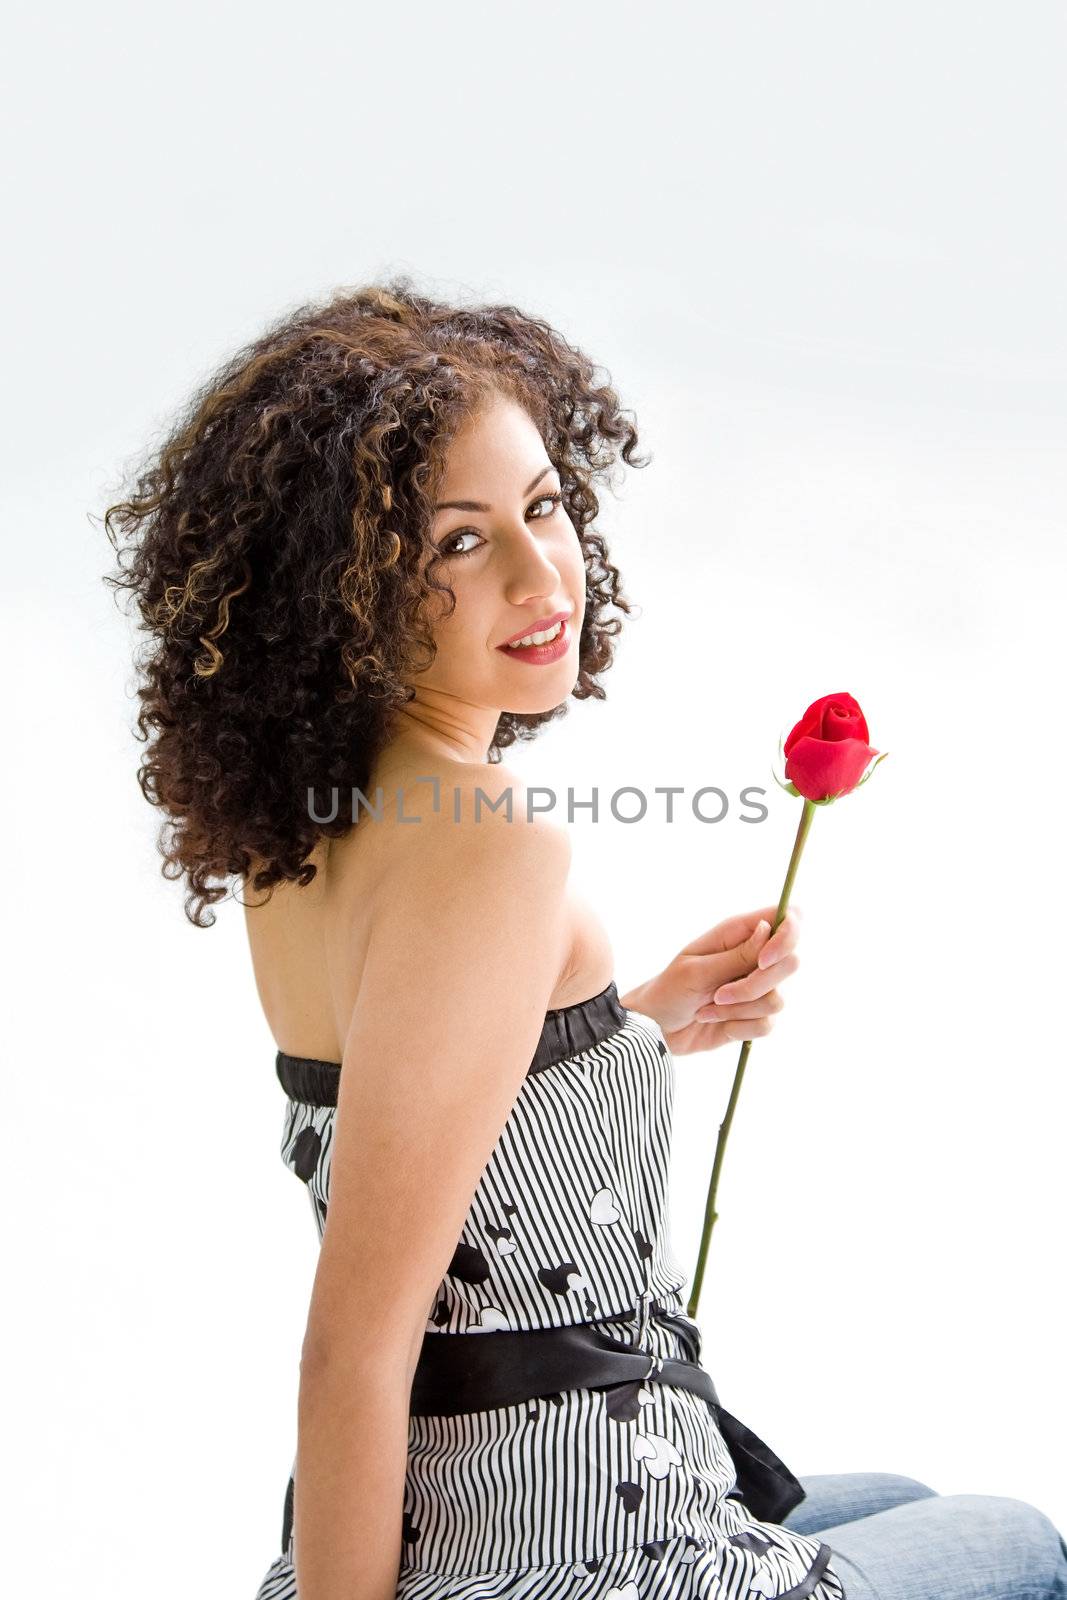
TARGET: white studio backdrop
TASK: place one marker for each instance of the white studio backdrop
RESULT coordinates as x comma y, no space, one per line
819,250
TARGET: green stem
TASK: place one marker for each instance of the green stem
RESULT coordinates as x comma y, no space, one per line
710,1213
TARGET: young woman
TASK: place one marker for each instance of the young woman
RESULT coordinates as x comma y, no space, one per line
367,564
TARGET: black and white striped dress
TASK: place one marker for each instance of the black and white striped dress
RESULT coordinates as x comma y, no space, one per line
620,1493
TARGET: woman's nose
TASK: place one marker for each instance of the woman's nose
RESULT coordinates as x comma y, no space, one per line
531,571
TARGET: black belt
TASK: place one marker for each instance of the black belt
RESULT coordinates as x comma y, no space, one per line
459,1372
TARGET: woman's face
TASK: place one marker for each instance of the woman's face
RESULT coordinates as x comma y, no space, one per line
512,557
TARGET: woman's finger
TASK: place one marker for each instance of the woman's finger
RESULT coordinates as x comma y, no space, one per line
757,983
767,1005
781,941
738,1030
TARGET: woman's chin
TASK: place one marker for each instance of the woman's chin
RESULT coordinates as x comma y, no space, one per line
539,697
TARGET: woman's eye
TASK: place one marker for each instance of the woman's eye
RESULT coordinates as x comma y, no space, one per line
465,533
445,547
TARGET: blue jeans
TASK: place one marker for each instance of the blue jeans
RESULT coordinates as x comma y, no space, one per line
895,1539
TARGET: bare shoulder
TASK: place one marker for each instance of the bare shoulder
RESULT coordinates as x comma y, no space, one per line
475,817
440,802
484,789
449,842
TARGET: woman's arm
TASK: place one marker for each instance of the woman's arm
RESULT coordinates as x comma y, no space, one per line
466,947
352,1430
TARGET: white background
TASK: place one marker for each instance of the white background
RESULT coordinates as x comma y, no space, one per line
820,250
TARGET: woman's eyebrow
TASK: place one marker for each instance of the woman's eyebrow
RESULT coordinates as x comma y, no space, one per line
477,505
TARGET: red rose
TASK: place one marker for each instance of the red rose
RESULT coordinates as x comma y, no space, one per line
828,752
826,755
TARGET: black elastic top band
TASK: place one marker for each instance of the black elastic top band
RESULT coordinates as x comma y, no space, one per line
567,1030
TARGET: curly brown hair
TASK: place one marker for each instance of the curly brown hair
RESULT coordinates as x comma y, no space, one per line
276,545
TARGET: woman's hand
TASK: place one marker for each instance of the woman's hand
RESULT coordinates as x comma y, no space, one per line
722,987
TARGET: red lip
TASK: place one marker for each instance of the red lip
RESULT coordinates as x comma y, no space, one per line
536,627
